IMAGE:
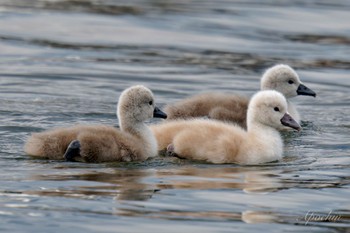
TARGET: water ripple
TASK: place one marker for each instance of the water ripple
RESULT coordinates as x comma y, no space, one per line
66,62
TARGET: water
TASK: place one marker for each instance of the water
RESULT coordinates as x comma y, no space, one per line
66,62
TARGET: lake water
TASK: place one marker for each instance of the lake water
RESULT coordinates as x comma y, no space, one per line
65,62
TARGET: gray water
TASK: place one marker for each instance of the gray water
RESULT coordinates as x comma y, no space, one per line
66,62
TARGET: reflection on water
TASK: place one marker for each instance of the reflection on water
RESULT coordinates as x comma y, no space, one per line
137,184
131,190
66,61
131,184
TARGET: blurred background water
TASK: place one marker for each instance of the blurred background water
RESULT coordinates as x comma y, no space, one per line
64,62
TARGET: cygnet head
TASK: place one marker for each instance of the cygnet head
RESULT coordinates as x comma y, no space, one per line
136,105
284,79
269,108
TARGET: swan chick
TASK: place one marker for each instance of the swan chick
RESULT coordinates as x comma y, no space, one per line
284,79
99,143
219,142
233,108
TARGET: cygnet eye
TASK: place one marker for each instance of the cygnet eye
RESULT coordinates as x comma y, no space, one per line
150,103
276,109
290,81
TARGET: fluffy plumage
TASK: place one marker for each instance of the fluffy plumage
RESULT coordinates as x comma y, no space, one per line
218,142
99,143
231,107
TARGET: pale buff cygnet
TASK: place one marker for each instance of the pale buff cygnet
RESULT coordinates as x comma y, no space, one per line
219,142
99,143
233,108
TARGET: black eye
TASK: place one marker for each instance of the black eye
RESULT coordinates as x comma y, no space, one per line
290,81
150,103
276,109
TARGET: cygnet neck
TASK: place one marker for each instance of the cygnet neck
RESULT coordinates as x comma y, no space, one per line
292,110
263,132
131,126
267,143
141,131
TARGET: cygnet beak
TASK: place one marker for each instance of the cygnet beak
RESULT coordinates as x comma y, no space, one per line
159,113
287,120
304,90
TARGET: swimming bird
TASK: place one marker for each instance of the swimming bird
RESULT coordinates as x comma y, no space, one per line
232,107
220,142
100,143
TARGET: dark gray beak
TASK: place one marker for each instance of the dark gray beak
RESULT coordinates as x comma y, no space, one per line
288,121
159,113
304,90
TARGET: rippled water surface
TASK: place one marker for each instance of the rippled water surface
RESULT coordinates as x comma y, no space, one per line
66,61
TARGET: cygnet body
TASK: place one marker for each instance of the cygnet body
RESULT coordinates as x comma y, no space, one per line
99,143
219,142
233,108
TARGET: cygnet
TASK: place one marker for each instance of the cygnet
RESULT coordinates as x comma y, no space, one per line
99,143
232,107
219,142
